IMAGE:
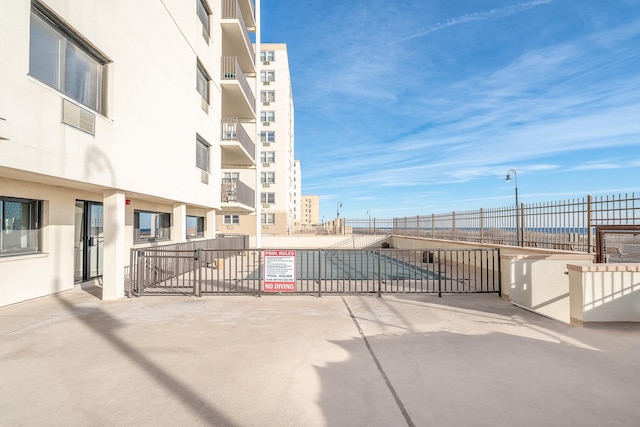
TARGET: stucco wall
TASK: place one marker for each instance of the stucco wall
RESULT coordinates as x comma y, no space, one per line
605,293
532,278
540,282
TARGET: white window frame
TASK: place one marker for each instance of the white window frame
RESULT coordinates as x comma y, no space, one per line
267,96
159,226
267,177
268,219
268,116
267,136
231,175
19,235
267,157
268,198
203,154
267,76
62,59
204,15
203,82
267,55
231,220
195,226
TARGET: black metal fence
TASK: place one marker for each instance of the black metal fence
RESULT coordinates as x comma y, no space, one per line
564,225
206,271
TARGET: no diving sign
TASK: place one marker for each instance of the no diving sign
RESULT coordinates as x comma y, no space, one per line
279,271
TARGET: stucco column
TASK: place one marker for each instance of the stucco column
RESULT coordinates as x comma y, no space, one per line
179,227
114,245
210,227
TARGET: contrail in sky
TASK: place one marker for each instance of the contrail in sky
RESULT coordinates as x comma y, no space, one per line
479,16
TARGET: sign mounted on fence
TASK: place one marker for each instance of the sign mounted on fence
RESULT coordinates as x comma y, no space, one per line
279,271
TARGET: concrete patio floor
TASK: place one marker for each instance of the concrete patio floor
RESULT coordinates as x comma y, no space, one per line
461,360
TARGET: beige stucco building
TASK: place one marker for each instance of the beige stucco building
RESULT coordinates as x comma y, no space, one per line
310,212
116,132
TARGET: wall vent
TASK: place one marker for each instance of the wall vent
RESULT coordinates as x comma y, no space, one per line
266,83
204,177
266,63
265,144
266,205
266,165
78,117
266,185
265,124
266,104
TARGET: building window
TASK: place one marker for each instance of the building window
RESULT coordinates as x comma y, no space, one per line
59,58
203,15
231,220
195,226
151,226
267,76
202,82
267,116
268,156
19,230
268,219
268,198
202,154
267,136
231,175
267,55
268,96
268,177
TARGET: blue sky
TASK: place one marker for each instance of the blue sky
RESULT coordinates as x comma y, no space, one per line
421,106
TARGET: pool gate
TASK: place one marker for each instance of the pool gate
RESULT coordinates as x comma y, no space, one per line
231,271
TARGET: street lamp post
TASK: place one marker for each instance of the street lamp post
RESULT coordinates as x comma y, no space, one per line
515,179
369,213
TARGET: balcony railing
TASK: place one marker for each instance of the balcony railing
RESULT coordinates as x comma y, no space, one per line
236,191
232,130
231,10
231,71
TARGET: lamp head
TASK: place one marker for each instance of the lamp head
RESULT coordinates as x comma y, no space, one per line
508,177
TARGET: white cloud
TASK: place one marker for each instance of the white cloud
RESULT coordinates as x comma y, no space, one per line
479,16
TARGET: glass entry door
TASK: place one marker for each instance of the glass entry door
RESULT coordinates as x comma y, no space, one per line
89,240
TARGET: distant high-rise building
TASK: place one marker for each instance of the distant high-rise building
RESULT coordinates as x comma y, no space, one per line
276,164
310,212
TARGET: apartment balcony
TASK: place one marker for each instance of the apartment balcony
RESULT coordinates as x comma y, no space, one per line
237,19
238,99
237,196
238,148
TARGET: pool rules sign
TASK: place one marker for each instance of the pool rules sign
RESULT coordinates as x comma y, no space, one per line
279,271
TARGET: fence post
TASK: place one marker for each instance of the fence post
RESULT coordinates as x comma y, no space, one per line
140,273
196,264
439,276
259,272
319,273
589,222
379,273
433,226
499,274
453,225
521,237
481,225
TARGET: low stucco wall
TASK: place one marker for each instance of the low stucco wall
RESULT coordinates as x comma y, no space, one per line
604,293
535,279
540,283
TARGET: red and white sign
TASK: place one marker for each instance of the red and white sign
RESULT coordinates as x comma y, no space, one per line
279,271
